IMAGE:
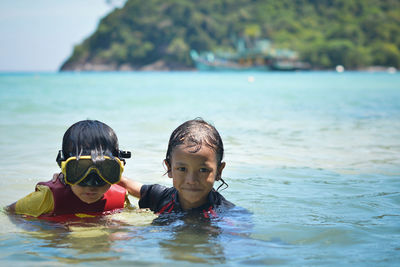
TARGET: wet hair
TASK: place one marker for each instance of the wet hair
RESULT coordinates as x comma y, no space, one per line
194,134
90,137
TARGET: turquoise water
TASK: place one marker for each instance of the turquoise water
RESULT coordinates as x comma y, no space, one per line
315,157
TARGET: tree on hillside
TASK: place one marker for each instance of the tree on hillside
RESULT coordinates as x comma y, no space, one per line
326,33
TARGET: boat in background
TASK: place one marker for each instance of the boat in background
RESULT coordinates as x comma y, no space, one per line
262,56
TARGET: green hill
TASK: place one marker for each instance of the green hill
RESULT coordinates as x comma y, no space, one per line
158,34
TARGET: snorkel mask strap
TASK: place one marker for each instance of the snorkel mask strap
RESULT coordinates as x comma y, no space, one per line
60,157
122,155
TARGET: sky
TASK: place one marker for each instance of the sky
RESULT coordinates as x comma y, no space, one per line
39,35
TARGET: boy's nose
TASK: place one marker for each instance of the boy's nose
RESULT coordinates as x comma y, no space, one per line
191,178
92,180
92,189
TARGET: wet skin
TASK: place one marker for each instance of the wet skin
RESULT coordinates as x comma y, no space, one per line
90,194
194,174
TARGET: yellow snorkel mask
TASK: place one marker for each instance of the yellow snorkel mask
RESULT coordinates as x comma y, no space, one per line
85,171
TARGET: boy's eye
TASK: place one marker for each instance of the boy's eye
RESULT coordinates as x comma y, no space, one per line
204,170
181,169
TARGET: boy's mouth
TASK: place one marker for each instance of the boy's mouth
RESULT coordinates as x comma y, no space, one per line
192,189
90,195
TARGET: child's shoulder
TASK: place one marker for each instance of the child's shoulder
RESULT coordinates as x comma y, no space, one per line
220,201
36,203
156,189
154,196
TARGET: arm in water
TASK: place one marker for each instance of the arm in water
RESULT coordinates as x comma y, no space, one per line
133,187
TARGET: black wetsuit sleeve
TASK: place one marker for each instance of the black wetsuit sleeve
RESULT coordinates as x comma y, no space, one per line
151,196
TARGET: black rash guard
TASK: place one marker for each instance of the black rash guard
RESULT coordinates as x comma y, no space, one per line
161,200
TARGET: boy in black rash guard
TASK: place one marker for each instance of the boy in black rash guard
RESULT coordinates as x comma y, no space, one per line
194,162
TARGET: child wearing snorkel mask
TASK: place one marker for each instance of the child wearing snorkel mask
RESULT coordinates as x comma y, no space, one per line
194,162
91,165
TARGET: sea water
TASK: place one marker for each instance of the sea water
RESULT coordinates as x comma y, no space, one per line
314,157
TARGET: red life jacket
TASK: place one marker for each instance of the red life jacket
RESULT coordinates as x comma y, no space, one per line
68,206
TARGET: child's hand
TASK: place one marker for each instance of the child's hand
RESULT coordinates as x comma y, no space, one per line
56,175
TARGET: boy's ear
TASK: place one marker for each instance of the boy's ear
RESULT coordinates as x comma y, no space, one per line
168,168
219,171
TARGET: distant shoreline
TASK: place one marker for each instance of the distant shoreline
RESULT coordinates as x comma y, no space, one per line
371,69
162,66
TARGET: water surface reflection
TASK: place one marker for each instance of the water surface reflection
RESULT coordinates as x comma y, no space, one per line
132,236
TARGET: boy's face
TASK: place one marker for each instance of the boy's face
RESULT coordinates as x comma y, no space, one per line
194,174
90,194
